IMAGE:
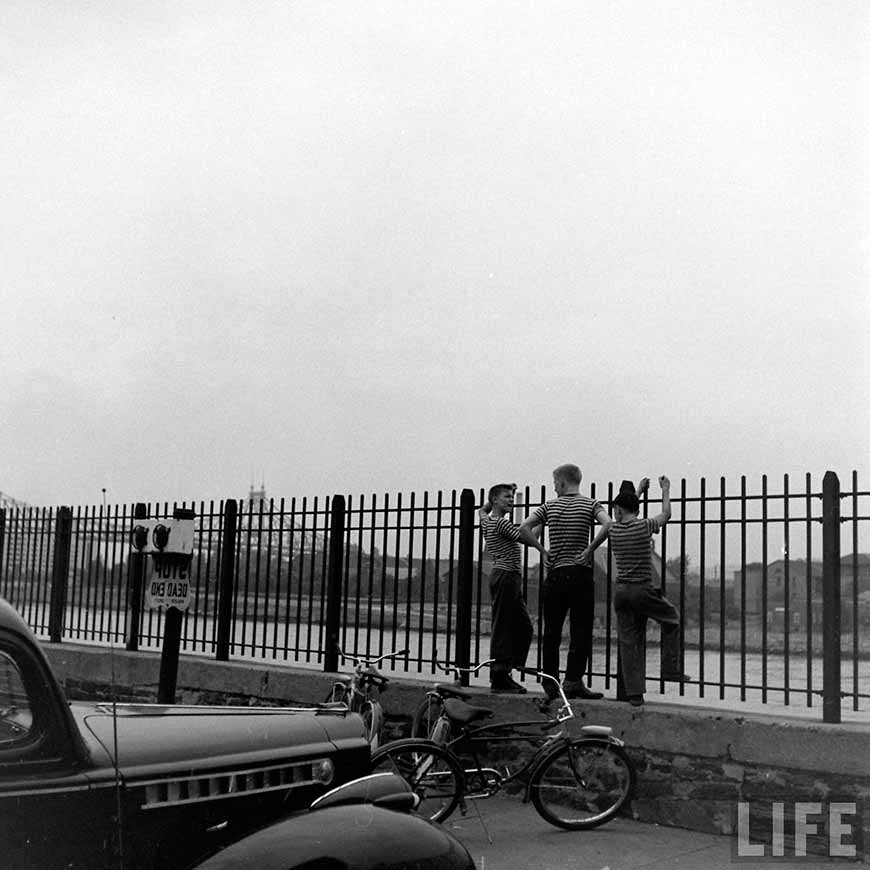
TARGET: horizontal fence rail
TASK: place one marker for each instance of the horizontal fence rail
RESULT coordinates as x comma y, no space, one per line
772,583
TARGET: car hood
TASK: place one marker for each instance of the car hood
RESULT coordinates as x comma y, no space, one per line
147,739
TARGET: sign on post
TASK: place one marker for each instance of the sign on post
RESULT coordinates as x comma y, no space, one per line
169,584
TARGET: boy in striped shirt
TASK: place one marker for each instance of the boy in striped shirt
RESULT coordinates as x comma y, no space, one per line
568,587
511,632
635,599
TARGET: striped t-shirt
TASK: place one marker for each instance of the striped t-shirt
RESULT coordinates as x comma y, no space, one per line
569,520
631,548
501,542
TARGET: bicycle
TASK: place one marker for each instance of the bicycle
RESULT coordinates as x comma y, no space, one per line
360,692
574,780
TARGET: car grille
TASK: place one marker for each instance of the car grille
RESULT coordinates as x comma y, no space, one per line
216,786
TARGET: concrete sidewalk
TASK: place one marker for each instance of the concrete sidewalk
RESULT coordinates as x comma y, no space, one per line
522,840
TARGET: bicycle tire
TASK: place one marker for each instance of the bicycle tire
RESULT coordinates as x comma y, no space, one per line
373,718
582,784
428,712
433,773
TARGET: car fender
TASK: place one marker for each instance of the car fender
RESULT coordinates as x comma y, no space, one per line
360,836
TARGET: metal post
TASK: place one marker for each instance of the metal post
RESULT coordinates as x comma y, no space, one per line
172,625
227,579
831,690
334,583
464,582
135,584
60,573
2,542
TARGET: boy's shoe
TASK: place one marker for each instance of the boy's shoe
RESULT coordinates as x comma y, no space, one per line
506,686
577,689
635,700
676,678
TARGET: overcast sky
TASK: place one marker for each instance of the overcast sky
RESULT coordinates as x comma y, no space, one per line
393,246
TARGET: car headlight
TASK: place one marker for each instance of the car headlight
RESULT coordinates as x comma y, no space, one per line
324,770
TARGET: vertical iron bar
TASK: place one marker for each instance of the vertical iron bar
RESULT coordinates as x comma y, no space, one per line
396,564
743,606
384,559
764,588
334,583
465,575
371,573
135,585
436,597
424,561
855,614
722,606
324,569
786,591
267,592
702,618
279,573
4,566
410,588
226,591
60,573
809,589
831,700
684,509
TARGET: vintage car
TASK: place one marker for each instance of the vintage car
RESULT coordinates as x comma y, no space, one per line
134,787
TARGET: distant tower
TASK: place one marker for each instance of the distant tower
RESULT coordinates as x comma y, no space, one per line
258,495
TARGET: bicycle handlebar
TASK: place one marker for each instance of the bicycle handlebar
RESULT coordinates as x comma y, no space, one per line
565,711
371,662
455,669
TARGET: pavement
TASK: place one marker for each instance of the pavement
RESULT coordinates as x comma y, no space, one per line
502,833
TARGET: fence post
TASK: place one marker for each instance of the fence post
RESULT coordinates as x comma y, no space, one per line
135,582
2,543
60,573
464,582
227,579
831,694
334,583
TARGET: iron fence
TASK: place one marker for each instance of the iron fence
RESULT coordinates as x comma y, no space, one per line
772,583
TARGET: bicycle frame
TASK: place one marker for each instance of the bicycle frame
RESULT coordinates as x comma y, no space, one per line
472,736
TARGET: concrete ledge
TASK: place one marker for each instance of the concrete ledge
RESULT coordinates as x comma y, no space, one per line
694,765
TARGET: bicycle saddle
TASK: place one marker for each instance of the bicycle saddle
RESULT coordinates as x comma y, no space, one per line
451,691
373,674
459,711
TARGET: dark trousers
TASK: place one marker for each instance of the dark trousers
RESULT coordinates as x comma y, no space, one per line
634,604
568,592
511,633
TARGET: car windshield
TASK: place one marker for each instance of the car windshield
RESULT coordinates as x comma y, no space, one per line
16,716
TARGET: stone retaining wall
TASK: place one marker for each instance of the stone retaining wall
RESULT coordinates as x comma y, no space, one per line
694,766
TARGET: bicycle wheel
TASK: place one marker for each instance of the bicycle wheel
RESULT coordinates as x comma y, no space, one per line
432,772
582,784
425,716
373,719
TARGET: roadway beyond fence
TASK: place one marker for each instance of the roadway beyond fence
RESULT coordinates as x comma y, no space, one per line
695,766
